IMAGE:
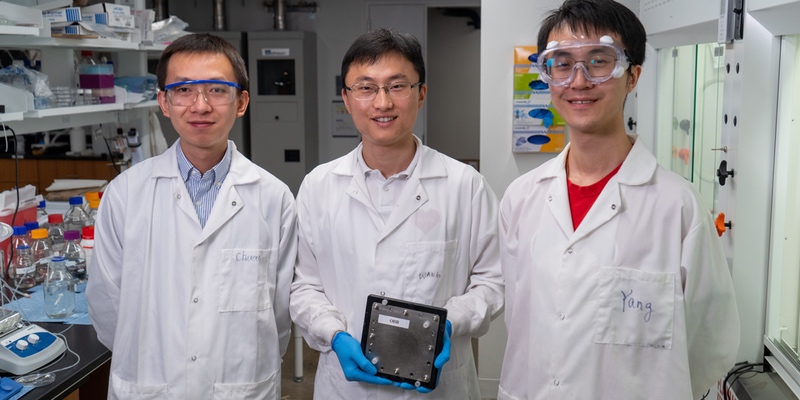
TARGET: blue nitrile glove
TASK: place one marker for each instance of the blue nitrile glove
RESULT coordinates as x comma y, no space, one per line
441,359
354,364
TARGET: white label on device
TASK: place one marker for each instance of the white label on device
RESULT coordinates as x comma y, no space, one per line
393,321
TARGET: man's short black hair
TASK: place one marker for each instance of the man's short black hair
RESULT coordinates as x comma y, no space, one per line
371,46
199,43
598,17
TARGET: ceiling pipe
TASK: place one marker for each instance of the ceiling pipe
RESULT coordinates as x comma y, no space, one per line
280,15
219,15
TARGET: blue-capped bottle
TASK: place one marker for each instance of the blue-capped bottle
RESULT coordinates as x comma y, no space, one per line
30,226
20,237
41,215
75,217
59,290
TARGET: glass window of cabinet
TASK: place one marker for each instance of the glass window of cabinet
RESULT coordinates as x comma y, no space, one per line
689,117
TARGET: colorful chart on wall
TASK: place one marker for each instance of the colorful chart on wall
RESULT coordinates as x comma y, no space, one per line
537,127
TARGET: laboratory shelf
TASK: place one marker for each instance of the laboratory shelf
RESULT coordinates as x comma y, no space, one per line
59,111
37,42
143,104
10,117
19,30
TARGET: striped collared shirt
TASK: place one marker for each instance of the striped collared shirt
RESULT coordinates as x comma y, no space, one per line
203,188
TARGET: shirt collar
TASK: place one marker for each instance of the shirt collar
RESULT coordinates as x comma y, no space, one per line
219,172
365,169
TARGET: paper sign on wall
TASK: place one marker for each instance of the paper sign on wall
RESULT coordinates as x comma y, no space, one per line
537,127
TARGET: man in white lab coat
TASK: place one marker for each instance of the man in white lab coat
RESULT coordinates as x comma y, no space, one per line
617,285
194,249
393,218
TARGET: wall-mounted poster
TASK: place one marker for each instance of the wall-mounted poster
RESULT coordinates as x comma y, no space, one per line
537,127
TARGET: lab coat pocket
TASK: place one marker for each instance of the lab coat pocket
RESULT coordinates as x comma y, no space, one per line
429,267
266,389
243,279
124,390
635,308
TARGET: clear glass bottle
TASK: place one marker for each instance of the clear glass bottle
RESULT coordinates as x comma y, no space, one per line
89,197
76,259
30,226
41,215
87,243
23,269
20,237
59,290
56,231
93,206
41,253
75,218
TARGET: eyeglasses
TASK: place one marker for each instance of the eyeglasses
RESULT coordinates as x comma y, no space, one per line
600,61
395,90
215,93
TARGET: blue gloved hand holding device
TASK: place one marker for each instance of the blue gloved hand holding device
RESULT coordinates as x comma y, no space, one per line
354,364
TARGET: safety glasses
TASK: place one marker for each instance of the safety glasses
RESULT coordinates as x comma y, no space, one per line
598,60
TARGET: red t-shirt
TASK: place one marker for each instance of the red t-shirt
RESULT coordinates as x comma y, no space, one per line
581,198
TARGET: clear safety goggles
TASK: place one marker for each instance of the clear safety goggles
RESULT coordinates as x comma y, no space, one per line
215,92
599,61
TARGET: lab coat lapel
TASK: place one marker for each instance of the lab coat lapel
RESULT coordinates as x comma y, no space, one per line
413,197
558,203
166,167
557,198
607,206
228,201
357,189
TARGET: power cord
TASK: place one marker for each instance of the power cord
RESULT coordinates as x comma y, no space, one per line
12,250
739,370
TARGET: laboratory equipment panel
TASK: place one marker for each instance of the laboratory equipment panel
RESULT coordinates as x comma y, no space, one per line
283,106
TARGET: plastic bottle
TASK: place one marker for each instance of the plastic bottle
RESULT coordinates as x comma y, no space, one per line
23,268
56,231
97,77
76,259
59,290
41,215
75,217
93,208
87,243
41,253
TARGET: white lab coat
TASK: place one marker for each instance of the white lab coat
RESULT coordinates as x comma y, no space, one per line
191,312
438,247
637,303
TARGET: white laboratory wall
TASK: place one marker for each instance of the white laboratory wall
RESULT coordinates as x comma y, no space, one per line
454,52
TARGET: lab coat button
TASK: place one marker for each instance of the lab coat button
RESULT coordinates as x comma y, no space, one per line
613,206
179,197
569,250
562,316
194,358
233,204
419,197
385,188
383,293
549,198
555,382
196,300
